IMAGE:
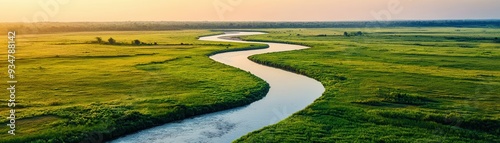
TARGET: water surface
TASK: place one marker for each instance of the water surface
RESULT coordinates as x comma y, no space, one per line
288,94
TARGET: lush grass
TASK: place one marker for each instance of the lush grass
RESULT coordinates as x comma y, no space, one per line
70,90
391,85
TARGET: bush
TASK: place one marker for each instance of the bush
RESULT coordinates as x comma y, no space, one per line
98,39
136,42
111,41
359,33
396,96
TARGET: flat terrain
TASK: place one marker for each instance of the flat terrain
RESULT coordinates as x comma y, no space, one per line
73,89
391,85
382,84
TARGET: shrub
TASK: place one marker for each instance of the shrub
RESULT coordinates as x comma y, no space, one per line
397,96
111,41
98,39
359,33
137,42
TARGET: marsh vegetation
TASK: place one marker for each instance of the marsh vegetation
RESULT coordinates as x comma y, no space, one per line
405,84
71,90
391,85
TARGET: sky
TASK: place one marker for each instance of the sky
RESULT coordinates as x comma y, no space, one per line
244,10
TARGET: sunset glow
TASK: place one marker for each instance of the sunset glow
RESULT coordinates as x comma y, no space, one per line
245,10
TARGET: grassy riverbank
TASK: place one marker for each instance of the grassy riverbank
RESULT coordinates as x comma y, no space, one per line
391,85
73,88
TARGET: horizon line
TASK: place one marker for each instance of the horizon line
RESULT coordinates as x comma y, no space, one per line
195,21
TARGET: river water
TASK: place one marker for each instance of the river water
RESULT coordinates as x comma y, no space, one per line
288,94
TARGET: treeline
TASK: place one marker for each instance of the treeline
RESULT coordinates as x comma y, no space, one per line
51,27
112,41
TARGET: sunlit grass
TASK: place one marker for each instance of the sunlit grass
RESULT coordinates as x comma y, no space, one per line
70,89
392,85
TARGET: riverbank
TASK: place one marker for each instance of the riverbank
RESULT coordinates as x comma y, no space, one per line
390,85
99,92
289,93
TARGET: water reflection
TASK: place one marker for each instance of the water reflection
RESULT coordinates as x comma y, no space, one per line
288,94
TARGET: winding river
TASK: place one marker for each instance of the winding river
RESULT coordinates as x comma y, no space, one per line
288,94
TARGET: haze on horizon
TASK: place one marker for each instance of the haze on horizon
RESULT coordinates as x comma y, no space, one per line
244,10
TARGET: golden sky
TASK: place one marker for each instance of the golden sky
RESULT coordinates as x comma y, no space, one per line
245,10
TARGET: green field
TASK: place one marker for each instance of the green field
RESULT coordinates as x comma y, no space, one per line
72,89
408,84
391,85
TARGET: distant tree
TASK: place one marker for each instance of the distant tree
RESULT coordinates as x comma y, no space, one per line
346,34
111,41
137,42
156,43
359,33
99,39
496,38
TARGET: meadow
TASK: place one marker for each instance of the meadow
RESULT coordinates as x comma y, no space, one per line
73,89
408,84
401,84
